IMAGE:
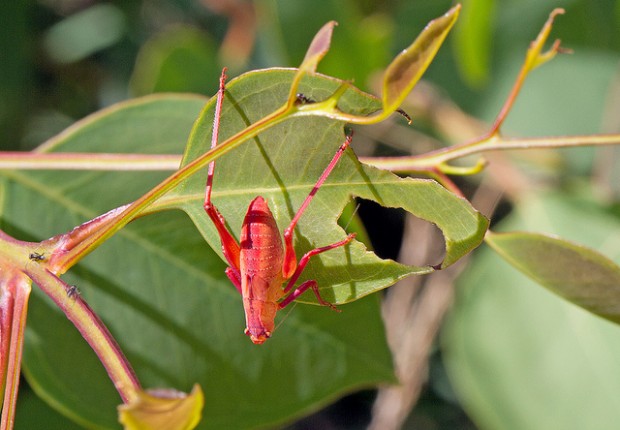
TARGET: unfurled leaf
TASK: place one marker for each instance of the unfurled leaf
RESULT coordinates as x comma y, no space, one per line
409,66
577,273
318,48
163,409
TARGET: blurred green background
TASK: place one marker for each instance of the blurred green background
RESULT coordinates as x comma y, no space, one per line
61,60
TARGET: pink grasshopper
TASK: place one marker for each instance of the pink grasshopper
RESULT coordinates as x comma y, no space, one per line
259,264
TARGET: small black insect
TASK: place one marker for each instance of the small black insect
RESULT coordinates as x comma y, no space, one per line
73,291
302,99
35,256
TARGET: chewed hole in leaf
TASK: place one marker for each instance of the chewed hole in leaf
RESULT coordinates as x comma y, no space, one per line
389,229
385,227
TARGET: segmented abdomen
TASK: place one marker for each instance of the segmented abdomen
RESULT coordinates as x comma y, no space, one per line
261,244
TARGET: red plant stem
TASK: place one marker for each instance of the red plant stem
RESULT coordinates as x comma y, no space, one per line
15,290
92,329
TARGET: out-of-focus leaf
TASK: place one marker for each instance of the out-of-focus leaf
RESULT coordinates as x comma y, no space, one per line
84,33
577,273
472,44
32,412
360,46
180,59
514,350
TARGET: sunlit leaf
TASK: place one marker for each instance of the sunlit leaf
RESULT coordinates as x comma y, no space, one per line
283,164
409,66
163,409
318,47
163,294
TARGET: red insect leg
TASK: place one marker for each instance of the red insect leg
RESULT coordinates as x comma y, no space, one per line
230,247
310,284
290,259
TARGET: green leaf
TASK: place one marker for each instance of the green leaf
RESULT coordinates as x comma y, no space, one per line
318,48
473,39
178,59
409,66
164,296
513,348
577,273
283,164
32,411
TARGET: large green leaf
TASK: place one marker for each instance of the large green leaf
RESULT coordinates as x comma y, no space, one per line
283,164
164,296
32,411
520,357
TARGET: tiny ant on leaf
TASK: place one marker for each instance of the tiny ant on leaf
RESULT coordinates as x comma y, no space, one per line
35,256
73,291
302,99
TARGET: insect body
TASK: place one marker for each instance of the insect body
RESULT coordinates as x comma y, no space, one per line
260,263
35,256
72,291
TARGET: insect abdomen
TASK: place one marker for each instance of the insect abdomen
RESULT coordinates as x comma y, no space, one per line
260,241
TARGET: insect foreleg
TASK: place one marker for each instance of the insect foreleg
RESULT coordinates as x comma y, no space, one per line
230,247
290,260
235,277
308,284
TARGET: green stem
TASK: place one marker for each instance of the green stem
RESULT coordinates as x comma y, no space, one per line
87,161
494,143
148,162
135,208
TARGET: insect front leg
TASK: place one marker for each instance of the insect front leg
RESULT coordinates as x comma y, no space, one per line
311,283
230,246
290,266
235,277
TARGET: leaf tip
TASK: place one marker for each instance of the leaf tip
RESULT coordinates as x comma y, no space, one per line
318,47
408,66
